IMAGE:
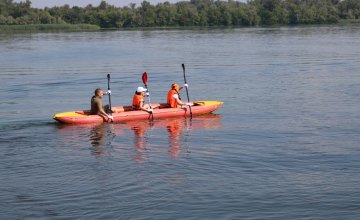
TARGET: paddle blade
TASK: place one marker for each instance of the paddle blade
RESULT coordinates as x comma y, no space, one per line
144,78
108,76
183,66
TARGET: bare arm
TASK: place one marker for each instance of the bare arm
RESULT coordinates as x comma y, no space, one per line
101,109
143,106
179,102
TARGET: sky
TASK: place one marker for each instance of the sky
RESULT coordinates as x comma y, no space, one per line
83,3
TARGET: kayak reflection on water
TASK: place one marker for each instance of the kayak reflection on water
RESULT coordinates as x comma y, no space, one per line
174,130
97,134
100,136
177,129
141,136
139,128
103,137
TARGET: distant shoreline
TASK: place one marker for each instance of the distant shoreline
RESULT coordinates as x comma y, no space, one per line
89,27
50,27
197,13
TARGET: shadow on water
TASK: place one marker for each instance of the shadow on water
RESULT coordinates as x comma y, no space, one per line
138,135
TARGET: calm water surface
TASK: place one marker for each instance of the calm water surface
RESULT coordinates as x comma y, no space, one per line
285,145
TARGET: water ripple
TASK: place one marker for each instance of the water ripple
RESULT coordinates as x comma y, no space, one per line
283,146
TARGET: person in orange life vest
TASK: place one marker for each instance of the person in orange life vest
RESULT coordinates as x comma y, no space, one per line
173,98
138,100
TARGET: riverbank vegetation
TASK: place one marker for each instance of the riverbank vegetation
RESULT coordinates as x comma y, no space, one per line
182,13
50,27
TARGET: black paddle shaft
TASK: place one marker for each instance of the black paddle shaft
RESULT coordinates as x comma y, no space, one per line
108,77
187,92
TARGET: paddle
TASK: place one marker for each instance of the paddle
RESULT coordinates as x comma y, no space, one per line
108,77
187,92
144,79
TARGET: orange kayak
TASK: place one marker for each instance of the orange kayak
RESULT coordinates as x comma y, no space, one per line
125,113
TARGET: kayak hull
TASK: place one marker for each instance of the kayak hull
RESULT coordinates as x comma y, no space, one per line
125,113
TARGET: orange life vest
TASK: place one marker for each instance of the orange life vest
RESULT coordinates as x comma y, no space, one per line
137,99
171,101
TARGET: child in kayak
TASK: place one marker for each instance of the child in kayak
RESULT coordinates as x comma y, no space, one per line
173,97
138,100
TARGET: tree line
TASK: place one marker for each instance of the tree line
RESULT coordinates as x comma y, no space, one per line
185,13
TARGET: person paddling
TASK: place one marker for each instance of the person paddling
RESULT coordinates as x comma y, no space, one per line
138,100
173,97
97,105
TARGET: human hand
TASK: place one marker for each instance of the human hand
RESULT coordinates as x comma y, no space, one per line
147,94
150,110
186,85
108,92
111,117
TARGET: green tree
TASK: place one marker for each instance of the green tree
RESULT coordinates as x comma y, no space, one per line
128,16
147,14
46,18
187,14
3,20
166,14
250,14
349,9
21,9
225,18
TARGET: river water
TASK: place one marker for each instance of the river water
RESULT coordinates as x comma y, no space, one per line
285,145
